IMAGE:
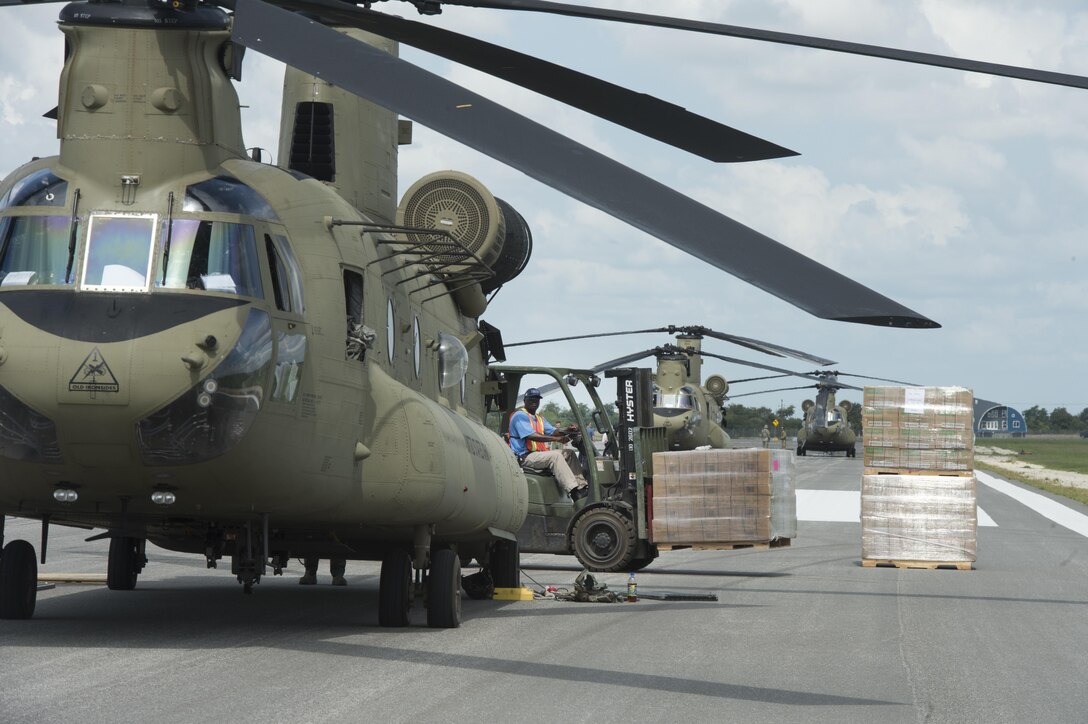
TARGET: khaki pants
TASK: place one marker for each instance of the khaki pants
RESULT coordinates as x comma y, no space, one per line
563,464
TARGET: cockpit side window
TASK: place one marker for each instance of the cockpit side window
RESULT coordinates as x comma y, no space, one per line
215,256
34,250
286,275
223,194
41,188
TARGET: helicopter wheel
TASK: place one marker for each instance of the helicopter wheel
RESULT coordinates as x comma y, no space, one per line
444,590
395,589
505,564
18,580
604,540
124,564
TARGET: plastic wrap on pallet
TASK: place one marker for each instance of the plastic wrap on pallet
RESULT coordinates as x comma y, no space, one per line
918,518
918,428
715,496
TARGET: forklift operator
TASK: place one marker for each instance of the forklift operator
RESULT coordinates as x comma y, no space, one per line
530,439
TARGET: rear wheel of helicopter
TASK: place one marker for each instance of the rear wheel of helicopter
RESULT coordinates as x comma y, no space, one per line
18,580
444,590
395,589
123,564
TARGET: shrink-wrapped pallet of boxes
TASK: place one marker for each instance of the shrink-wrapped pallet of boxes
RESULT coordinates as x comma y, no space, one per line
918,498
918,519
723,497
918,429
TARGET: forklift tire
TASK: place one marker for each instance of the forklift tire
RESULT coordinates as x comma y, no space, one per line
604,540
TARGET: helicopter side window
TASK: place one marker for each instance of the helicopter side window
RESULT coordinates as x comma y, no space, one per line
34,250
215,256
359,337
41,188
286,277
118,253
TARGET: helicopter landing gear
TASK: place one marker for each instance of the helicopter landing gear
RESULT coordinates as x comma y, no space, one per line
395,590
505,564
18,580
444,590
604,540
126,561
800,450
249,561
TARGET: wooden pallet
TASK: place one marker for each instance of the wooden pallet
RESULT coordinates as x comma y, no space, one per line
885,563
915,471
726,546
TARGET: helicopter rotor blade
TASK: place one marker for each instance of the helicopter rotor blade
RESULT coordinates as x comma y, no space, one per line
565,165
769,368
882,379
639,112
756,379
767,392
755,344
620,361
805,41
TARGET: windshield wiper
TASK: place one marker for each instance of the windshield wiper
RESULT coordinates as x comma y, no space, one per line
72,234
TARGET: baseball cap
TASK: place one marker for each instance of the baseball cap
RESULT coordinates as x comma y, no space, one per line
532,392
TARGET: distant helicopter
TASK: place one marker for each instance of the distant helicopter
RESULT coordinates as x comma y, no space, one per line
689,409
825,427
229,358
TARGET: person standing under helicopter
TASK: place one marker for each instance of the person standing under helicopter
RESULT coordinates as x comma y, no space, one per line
337,566
531,437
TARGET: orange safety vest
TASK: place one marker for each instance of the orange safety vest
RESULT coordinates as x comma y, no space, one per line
538,427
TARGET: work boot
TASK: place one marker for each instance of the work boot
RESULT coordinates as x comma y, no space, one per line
310,577
339,581
578,493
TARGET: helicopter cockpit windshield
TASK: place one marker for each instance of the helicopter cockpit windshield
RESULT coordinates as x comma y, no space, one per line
671,404
33,244
195,248
833,415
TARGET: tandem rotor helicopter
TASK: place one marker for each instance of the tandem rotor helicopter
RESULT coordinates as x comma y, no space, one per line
825,427
689,409
234,359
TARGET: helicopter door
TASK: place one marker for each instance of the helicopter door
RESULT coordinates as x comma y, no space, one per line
288,326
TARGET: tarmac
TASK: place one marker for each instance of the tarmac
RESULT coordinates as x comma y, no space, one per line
797,634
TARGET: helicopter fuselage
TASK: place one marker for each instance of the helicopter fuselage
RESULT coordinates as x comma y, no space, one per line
192,340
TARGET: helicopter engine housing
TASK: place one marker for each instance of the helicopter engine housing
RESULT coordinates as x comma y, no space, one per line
494,239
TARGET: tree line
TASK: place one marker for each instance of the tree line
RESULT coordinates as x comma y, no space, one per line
744,421
1059,420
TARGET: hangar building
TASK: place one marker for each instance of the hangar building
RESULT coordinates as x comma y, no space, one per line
992,419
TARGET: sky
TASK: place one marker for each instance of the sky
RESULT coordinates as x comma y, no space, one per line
958,195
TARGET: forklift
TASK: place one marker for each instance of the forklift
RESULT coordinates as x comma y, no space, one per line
609,529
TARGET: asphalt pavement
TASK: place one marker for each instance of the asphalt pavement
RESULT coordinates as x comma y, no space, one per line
798,634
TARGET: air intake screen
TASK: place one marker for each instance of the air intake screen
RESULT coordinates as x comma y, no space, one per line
313,146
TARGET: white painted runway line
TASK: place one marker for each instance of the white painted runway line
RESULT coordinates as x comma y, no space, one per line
1051,509
844,506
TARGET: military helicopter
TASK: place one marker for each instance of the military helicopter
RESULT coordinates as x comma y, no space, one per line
688,408
229,358
825,427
